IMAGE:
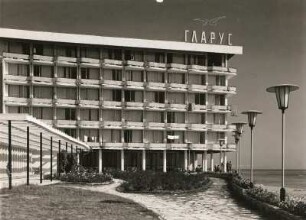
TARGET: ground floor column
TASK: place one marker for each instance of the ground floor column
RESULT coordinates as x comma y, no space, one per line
211,162
143,160
164,161
195,160
204,161
100,161
122,160
225,163
185,160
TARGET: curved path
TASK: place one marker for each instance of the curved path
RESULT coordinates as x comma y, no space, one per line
214,203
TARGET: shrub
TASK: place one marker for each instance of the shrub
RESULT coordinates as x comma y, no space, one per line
79,174
150,181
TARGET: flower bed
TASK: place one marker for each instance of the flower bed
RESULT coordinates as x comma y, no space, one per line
266,201
79,174
157,182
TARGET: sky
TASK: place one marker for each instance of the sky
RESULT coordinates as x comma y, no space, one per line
272,33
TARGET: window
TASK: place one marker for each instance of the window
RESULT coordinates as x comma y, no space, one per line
18,69
71,132
170,117
129,96
203,80
215,59
37,71
128,136
38,49
18,91
129,55
159,97
202,138
220,80
159,57
116,95
70,52
169,58
43,113
84,73
25,48
170,134
117,55
219,100
203,118
200,99
70,114
117,75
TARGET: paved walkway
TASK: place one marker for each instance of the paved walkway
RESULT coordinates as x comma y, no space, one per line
215,203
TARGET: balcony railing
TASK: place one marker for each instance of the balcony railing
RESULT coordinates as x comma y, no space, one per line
176,67
177,87
40,59
16,57
155,106
155,125
176,146
134,65
177,107
89,103
112,124
17,80
133,105
134,125
65,102
115,64
66,123
42,80
65,81
197,88
112,104
155,86
153,66
112,84
197,69
16,101
90,83
66,61
42,101
197,127
90,62
176,126
134,85
89,124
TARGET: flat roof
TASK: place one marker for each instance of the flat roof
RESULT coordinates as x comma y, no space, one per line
117,41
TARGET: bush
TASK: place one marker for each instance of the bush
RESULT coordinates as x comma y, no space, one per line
148,181
294,206
79,174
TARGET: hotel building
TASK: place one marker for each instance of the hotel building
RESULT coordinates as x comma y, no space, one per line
145,104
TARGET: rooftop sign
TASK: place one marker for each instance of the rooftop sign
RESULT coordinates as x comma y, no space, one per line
208,37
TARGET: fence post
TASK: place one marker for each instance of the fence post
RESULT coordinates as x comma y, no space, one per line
51,155
28,155
40,164
9,164
59,157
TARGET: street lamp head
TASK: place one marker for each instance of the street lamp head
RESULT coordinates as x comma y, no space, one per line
282,94
252,114
239,126
236,135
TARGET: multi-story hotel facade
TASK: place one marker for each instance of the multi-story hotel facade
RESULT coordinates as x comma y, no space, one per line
149,104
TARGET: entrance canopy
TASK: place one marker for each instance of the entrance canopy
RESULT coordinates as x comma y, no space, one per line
19,125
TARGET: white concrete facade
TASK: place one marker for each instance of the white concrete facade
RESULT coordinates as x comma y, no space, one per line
121,94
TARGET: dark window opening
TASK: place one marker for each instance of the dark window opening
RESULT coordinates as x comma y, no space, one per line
159,97
170,117
129,96
38,49
70,114
117,75
214,59
128,136
200,99
117,95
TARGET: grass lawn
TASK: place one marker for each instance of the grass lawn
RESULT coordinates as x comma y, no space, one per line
56,202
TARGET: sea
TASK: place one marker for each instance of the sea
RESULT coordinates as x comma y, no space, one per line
293,178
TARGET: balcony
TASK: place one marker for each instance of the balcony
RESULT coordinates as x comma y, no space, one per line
198,108
42,81
133,125
220,108
159,67
65,102
89,62
42,102
89,124
112,84
66,123
112,124
40,59
89,103
48,122
16,101
197,69
134,85
66,61
197,127
16,58
176,146
218,70
155,86
134,65
112,64
176,107
15,80
133,146
177,87
198,146
176,126
155,106
155,125
89,83
197,88
219,127
65,82
112,105
112,145
177,68
133,105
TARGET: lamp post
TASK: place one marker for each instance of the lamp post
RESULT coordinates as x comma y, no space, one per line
237,135
282,96
252,115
